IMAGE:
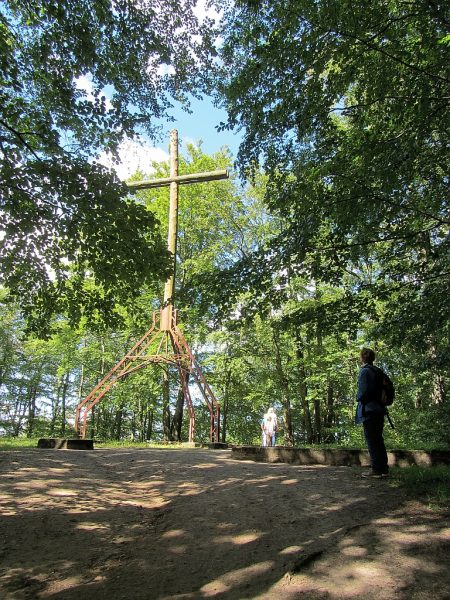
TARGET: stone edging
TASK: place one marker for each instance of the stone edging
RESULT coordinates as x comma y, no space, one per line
339,456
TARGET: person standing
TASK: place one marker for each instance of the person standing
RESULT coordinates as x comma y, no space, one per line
274,425
370,412
269,428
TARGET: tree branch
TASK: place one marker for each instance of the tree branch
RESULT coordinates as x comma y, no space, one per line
19,135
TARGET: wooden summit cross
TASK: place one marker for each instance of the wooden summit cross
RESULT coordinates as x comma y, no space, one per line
164,341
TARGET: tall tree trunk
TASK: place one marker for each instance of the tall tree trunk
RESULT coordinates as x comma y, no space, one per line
166,405
81,382
225,405
59,406
303,390
318,420
118,423
177,421
32,393
149,425
55,408
328,420
141,416
284,386
438,391
64,404
317,430
96,414
20,410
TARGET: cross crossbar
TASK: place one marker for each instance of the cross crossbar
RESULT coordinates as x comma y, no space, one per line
180,179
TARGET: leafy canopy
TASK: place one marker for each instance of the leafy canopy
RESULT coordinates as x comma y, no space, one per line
77,77
346,106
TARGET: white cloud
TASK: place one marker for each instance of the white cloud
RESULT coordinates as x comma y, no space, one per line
134,156
85,83
204,9
165,70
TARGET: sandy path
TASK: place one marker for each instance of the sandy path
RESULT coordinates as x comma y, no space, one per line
186,524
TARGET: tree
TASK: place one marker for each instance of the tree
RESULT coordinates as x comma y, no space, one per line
64,217
346,104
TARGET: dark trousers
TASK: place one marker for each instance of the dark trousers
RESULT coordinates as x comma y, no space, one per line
373,432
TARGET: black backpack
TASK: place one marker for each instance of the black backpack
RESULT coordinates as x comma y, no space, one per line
387,390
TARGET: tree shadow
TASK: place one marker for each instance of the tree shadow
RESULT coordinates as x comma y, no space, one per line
160,524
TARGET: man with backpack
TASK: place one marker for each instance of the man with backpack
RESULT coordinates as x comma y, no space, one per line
375,392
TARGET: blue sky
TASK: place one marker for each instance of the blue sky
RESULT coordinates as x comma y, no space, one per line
201,125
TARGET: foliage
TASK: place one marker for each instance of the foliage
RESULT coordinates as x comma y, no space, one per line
298,355
77,77
432,483
346,106
17,443
141,445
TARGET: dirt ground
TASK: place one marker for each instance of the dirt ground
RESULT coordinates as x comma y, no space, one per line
185,524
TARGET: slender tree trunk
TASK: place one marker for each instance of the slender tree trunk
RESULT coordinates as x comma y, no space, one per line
118,423
284,386
225,405
166,405
303,390
438,392
142,421
177,421
318,413
20,410
55,408
149,426
329,416
96,414
134,426
31,409
64,404
81,382
59,407
317,430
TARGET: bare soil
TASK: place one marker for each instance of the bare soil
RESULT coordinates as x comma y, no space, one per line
186,524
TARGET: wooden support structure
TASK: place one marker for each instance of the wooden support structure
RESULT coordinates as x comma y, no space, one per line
164,342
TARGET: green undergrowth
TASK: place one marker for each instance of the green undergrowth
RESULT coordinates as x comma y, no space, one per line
389,447
17,443
431,484
22,443
130,444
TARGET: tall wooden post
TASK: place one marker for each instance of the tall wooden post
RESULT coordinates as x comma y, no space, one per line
169,288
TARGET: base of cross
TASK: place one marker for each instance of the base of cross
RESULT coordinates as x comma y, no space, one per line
163,343
66,444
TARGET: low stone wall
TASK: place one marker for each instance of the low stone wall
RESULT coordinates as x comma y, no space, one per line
66,444
339,456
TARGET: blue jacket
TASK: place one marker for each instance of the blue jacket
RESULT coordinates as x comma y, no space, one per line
367,395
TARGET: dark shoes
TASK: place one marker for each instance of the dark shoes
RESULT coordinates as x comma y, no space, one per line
374,475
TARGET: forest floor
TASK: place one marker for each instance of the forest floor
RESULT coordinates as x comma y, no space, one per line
184,524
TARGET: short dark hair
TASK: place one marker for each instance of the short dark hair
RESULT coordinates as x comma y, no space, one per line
367,356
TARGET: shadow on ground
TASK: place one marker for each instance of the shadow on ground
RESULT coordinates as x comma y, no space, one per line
186,524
